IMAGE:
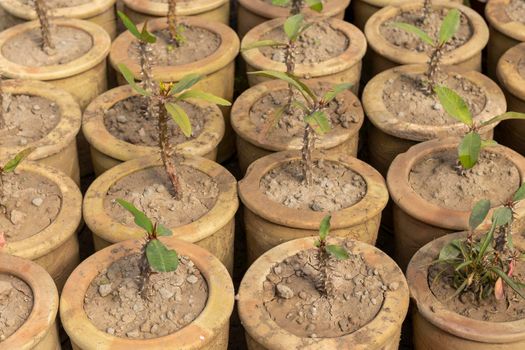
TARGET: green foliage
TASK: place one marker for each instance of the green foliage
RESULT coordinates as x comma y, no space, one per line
449,26
12,164
334,91
143,36
479,213
454,105
468,150
337,251
130,79
334,250
415,30
324,228
180,117
315,5
291,80
141,219
185,83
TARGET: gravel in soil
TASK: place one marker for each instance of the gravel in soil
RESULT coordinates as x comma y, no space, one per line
16,303
515,9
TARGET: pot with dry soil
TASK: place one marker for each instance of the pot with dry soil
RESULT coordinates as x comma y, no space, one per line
29,301
391,46
281,306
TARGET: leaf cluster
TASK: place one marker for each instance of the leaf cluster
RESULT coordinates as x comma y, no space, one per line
143,36
315,5
13,163
335,250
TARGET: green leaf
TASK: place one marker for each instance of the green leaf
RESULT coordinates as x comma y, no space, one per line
201,95
468,150
479,213
180,117
128,75
449,26
324,227
520,193
450,251
18,158
318,121
280,2
290,79
414,30
128,23
336,90
485,243
315,5
504,116
454,105
488,143
140,218
163,230
160,258
292,26
502,216
337,251
262,43
146,36
512,284
185,83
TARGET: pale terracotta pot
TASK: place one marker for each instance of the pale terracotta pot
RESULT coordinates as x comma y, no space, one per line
209,331
382,332
39,331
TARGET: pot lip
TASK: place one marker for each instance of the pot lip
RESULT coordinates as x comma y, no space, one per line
507,70
255,200
156,8
389,123
95,55
197,334
103,225
400,55
349,58
45,302
416,206
225,53
258,324
84,11
267,10
62,134
101,139
243,126
65,224
449,321
494,12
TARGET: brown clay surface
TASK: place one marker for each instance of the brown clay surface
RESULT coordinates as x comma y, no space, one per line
52,4
16,303
150,191
28,204
27,119
521,67
404,98
334,186
437,180
172,300
26,48
316,44
128,120
516,10
287,5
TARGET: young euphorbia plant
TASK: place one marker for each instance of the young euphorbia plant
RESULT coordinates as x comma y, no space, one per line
297,5
48,46
448,28
174,28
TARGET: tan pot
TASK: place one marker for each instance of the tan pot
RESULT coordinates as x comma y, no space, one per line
417,221
209,10
504,33
268,223
251,13
343,68
101,12
39,331
251,146
213,231
390,136
262,333
56,247
219,68
59,147
209,331
108,151
384,55
436,327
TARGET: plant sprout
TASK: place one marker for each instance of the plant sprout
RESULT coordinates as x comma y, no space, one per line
48,46
297,5
175,29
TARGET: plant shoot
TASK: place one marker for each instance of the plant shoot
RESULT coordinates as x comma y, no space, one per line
42,12
297,5
174,28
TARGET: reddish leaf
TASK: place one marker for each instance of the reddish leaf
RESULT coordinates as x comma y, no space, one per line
512,264
498,289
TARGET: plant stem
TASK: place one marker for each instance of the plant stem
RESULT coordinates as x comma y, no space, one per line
433,69
308,147
172,21
324,286
45,28
166,152
144,271
296,7
427,8
2,119
146,74
290,69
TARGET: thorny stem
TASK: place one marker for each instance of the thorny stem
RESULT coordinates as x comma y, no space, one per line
290,69
145,270
324,285
146,73
433,69
45,28
296,7
2,120
427,8
172,21
308,147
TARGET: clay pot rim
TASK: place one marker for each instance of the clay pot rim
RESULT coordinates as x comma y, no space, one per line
45,302
512,29
267,10
101,139
98,220
243,126
400,55
62,134
389,123
225,53
197,334
374,201
96,54
65,224
349,58
160,9
253,314
507,71
416,206
89,9
449,321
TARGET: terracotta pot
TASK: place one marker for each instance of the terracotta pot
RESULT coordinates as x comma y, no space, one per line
263,333
59,147
434,326
108,150
209,10
504,33
343,68
6,20
251,146
390,136
213,231
208,331
268,223
418,221
39,331
218,68
251,13
384,55
101,12
56,247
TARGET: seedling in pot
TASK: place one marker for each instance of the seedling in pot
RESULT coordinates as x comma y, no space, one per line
176,30
297,5
42,11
